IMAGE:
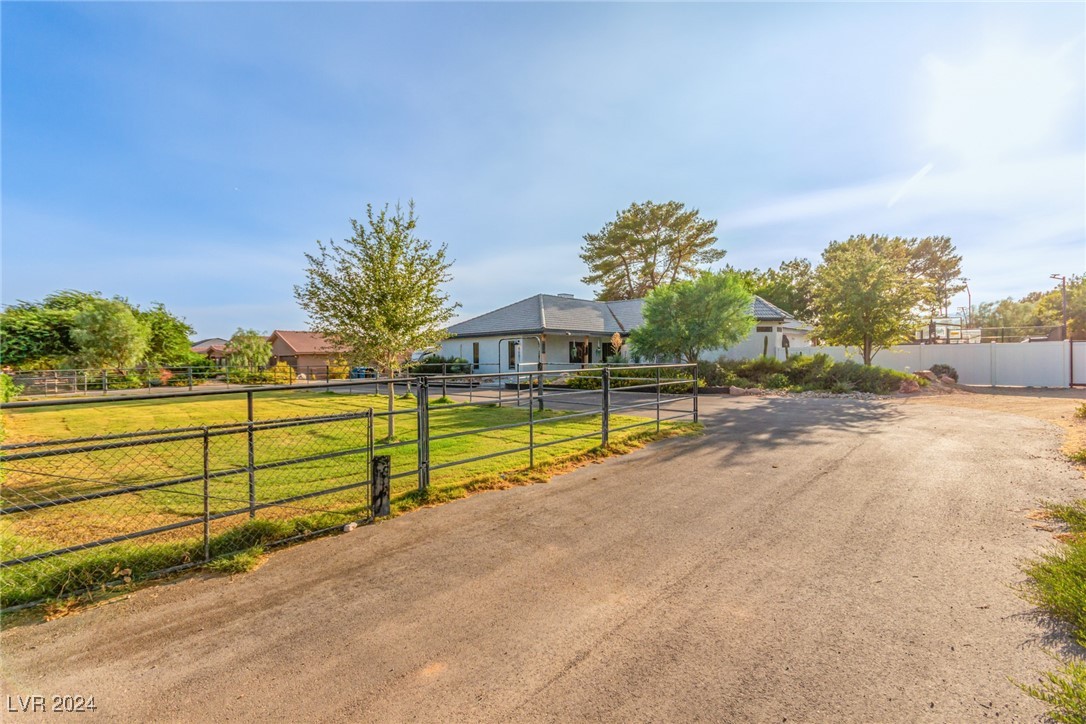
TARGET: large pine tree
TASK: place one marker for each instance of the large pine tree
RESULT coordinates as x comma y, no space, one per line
646,246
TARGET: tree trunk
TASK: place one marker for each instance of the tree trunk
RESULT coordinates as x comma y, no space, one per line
867,350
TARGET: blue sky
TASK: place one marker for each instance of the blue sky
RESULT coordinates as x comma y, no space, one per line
190,153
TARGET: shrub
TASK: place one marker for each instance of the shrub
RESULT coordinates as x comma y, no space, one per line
591,379
282,374
777,381
940,369
436,364
808,371
8,389
1080,411
338,370
717,374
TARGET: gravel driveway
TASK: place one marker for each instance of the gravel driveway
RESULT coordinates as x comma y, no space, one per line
803,560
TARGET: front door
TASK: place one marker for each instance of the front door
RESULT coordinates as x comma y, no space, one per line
511,361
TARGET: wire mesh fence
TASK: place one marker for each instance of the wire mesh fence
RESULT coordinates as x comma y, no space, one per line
84,512
68,382
268,465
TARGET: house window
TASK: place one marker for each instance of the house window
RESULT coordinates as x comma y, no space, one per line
475,355
512,355
764,329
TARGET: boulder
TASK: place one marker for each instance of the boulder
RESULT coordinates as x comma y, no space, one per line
909,386
948,380
928,375
746,391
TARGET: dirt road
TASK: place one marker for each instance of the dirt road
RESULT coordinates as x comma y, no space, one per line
803,560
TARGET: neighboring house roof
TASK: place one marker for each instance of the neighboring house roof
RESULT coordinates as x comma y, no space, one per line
764,311
552,313
303,342
204,345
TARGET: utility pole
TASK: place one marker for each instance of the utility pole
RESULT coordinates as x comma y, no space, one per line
1062,279
969,296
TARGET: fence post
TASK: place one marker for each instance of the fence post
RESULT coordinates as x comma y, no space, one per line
190,379
531,425
695,392
207,496
422,405
540,395
657,399
105,383
380,474
606,377
252,456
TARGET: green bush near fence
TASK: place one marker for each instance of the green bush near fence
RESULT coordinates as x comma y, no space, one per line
627,377
436,364
803,372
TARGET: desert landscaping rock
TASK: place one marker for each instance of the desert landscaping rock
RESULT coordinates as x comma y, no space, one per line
908,387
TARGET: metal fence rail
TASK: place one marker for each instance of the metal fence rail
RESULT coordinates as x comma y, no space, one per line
83,511
86,511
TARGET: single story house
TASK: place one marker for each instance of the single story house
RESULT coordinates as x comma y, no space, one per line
214,348
775,333
560,331
308,353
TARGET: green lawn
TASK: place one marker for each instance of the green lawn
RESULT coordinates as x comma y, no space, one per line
96,470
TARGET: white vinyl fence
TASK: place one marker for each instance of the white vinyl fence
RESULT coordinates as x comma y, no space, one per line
1032,364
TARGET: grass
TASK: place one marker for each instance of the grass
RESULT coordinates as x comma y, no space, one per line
240,562
1080,411
1056,584
47,529
1078,457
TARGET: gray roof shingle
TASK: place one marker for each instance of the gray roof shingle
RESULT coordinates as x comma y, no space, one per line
550,313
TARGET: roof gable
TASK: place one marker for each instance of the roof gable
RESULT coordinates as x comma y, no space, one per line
304,342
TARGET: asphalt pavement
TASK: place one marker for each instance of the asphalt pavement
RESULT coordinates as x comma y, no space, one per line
802,560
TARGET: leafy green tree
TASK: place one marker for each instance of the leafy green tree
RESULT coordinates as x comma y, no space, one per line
250,349
1009,318
1050,307
378,295
1036,312
107,333
789,286
168,339
648,245
38,334
934,261
686,318
864,294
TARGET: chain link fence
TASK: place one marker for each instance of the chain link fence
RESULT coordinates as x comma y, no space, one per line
83,513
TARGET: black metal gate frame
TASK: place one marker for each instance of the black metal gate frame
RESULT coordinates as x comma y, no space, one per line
538,393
